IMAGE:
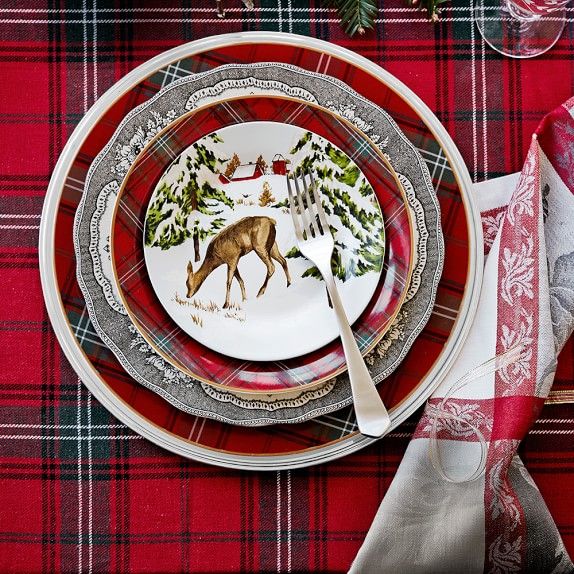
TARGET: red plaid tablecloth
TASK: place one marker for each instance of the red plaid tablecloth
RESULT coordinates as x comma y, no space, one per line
80,491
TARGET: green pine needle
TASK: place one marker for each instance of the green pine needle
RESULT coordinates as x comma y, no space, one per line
359,15
356,15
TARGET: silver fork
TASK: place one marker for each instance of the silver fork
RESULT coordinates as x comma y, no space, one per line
316,243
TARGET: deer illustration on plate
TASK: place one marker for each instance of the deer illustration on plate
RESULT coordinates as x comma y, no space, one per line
255,233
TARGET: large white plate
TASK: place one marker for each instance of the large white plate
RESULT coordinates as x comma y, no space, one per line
166,439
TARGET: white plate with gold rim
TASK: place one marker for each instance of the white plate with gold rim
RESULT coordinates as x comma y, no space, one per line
328,447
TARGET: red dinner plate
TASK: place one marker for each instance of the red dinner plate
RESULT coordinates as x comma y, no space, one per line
153,320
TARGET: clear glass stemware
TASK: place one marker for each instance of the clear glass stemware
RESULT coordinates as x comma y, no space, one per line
520,28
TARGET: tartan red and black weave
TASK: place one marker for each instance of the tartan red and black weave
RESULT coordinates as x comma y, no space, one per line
79,491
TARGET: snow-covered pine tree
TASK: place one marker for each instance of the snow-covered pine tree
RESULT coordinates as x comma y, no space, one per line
188,201
346,199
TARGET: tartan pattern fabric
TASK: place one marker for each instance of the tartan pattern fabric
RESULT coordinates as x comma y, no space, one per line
497,522
174,344
80,491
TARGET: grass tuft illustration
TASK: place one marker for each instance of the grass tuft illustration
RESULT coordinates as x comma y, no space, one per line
197,320
232,312
242,201
208,307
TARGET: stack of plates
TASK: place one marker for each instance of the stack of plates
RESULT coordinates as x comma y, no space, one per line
177,176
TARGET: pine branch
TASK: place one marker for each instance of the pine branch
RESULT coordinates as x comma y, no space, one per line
356,15
431,6
359,15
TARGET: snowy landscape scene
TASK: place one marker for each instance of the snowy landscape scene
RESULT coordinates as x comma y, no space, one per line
229,189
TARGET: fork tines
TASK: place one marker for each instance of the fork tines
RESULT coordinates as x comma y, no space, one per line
314,221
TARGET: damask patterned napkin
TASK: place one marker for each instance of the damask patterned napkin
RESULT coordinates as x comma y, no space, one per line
498,522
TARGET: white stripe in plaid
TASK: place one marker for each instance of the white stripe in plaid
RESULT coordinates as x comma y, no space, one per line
84,331
437,164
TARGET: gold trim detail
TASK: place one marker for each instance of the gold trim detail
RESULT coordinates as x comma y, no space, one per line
561,397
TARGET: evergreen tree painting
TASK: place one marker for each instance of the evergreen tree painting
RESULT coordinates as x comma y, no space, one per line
188,202
261,163
232,165
266,198
340,182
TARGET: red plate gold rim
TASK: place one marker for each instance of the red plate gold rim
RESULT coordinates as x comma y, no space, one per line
147,313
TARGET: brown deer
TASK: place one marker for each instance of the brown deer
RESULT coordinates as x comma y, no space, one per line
256,233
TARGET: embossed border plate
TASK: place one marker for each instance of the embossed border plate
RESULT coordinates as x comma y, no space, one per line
106,311
318,440
182,350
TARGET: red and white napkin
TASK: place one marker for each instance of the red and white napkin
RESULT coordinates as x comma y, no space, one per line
498,522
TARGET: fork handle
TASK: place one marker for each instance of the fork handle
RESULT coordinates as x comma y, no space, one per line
372,416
